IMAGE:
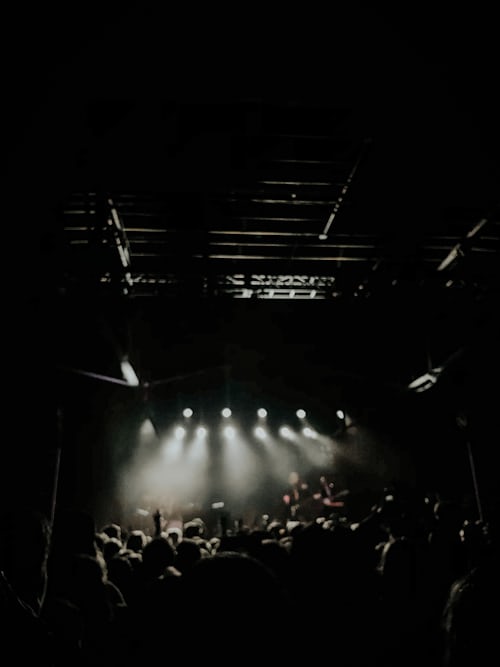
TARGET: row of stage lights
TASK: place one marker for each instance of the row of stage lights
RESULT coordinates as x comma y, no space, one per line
260,431
227,412
261,413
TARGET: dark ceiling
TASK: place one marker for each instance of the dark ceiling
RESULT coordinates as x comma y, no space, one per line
321,187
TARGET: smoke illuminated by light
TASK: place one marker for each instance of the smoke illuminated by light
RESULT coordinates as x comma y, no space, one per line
197,450
147,428
229,431
260,432
172,449
286,432
237,464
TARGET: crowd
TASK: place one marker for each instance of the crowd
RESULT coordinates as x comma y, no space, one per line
413,582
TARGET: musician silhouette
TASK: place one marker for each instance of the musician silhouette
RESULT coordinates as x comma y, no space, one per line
326,489
295,495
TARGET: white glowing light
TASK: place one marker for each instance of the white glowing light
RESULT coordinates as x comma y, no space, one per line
180,432
286,432
147,427
229,431
260,432
129,374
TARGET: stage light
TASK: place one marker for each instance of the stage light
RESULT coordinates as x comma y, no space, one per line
286,432
201,432
226,412
309,432
218,505
128,373
426,381
180,432
229,431
340,414
301,414
262,413
260,432
187,412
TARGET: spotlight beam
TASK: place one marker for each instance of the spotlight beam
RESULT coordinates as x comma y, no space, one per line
97,376
173,378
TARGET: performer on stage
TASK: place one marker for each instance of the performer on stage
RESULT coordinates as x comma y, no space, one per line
326,490
295,495
328,499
